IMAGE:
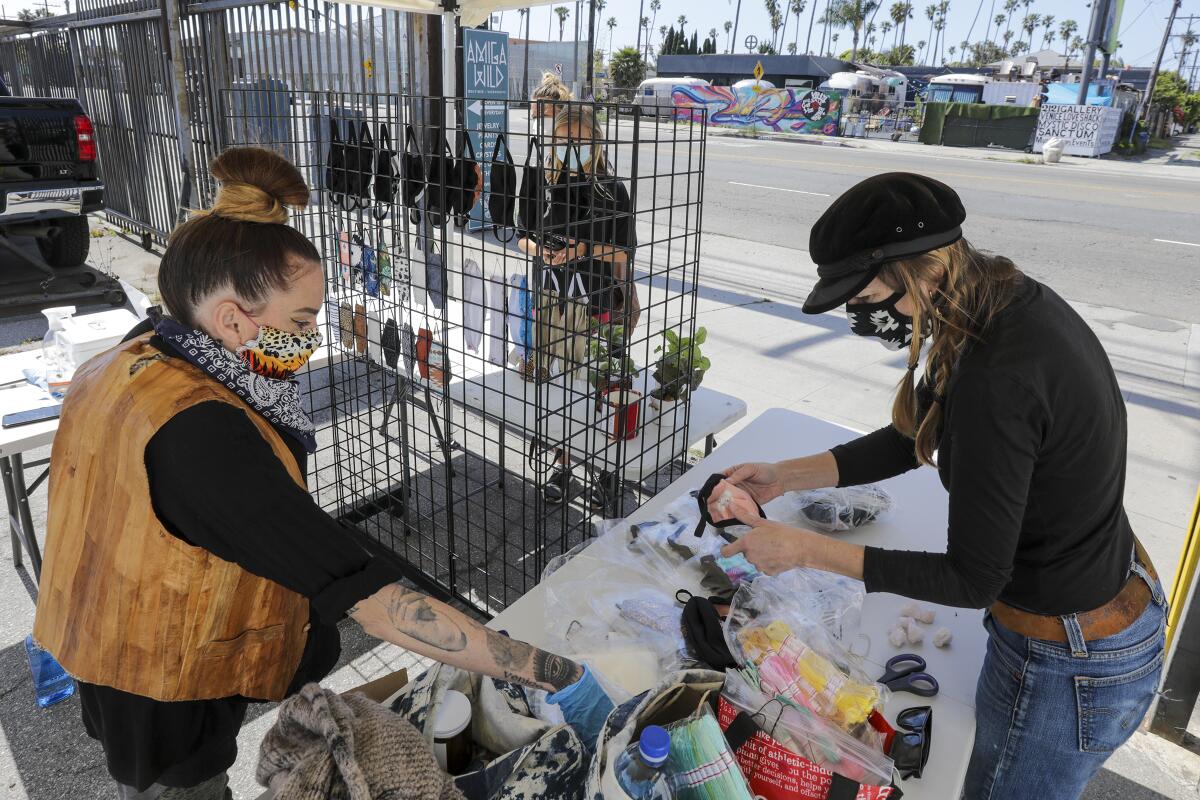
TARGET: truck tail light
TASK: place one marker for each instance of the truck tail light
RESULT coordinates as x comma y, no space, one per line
85,138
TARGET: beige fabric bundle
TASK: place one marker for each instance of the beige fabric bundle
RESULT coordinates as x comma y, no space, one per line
326,745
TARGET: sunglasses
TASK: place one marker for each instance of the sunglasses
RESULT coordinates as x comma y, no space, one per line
910,747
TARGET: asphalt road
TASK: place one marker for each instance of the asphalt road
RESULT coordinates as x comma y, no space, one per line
1095,237
1125,241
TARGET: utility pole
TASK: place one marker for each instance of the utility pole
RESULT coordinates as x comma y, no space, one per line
1162,49
1095,32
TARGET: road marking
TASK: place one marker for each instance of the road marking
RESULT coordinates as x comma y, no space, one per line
867,169
779,189
1172,241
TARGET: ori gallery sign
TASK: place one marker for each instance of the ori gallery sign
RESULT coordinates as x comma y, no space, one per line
792,110
1085,130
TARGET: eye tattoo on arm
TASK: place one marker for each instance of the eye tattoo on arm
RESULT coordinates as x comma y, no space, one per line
526,665
411,614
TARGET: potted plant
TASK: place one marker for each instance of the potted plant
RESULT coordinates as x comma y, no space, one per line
611,372
679,369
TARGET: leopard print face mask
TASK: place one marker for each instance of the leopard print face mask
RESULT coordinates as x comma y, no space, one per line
279,354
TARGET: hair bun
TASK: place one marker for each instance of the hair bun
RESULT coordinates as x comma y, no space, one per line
257,185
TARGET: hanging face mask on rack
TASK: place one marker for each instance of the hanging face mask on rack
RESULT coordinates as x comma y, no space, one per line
502,194
413,183
882,321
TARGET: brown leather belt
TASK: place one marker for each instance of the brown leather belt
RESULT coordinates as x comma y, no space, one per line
1113,617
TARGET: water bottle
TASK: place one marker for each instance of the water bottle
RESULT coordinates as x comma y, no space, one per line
54,359
641,768
50,680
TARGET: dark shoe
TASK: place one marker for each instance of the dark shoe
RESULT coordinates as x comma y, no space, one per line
603,484
557,485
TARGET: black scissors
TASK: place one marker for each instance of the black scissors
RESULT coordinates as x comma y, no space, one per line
906,673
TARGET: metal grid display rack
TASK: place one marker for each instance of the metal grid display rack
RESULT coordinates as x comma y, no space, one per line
493,319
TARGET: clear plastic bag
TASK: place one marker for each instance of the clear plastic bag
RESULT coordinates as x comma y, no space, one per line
859,758
701,763
836,510
782,628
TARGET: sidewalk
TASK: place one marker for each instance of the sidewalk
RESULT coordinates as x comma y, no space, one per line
1159,166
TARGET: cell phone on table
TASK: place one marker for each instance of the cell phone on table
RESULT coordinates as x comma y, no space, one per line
31,416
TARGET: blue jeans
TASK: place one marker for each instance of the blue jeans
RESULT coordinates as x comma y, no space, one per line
1048,715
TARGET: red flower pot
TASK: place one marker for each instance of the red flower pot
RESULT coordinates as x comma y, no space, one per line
624,407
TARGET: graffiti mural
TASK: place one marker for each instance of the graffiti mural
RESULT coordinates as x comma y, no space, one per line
782,110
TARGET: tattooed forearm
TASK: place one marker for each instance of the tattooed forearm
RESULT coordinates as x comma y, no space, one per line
509,654
555,670
408,618
411,614
529,666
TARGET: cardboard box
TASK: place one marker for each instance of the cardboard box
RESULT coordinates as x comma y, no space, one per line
382,689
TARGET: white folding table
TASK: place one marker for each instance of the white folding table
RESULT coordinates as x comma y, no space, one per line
918,522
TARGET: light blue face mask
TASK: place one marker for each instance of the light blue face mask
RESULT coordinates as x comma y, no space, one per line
570,156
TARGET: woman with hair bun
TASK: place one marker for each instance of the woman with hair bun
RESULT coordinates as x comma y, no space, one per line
188,570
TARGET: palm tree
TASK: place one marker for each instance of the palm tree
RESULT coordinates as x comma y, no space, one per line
833,44
797,7
775,20
940,42
728,41
930,13
563,12
524,12
853,14
655,5
645,26
791,48
1029,25
999,20
905,16
952,51
1009,6
1047,21
943,8
885,28
811,19
737,17
1065,29
682,20
612,23
641,24
1075,44
826,24
712,33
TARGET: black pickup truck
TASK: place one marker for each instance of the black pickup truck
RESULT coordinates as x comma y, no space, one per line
48,176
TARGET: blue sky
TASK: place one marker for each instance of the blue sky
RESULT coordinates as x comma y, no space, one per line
1141,25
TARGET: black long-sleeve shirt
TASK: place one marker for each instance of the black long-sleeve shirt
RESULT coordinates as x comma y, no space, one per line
216,483
1032,452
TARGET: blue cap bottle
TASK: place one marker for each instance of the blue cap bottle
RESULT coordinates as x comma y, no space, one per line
654,745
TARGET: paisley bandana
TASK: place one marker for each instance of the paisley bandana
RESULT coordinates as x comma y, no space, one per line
277,400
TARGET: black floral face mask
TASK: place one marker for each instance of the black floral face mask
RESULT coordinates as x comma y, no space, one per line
883,321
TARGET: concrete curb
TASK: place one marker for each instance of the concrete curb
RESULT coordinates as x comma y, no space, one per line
1170,169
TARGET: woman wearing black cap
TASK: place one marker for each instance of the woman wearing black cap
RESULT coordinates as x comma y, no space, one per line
1019,410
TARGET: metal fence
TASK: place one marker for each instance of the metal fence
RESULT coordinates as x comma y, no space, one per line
871,119
443,424
467,377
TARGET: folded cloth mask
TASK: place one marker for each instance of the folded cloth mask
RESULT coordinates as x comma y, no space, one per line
704,634
702,499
